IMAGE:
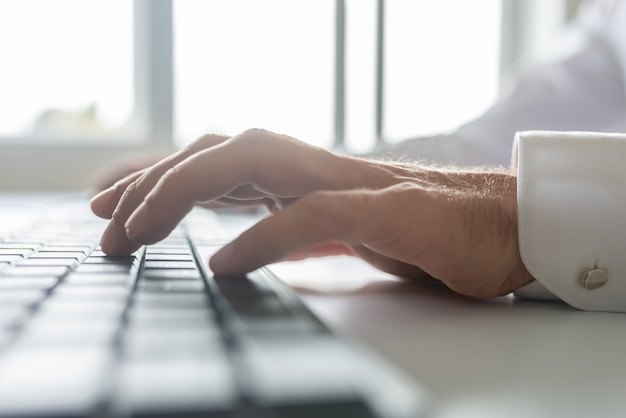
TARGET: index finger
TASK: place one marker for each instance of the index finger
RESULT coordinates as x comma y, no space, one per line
349,217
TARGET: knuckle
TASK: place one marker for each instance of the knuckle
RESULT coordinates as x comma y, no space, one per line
178,181
200,143
128,195
254,136
205,141
167,182
254,133
171,179
130,190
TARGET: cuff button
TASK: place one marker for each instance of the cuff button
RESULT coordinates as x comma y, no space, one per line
595,278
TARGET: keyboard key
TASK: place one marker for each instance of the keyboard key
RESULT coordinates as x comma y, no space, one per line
23,271
21,297
48,262
268,328
113,279
176,387
171,286
75,255
185,256
26,283
64,308
156,264
12,316
103,268
19,246
8,259
170,300
84,249
20,243
323,379
74,243
77,331
91,292
14,252
121,260
170,317
58,382
266,306
333,408
172,242
255,309
6,336
250,286
151,251
171,274
248,298
192,340
98,253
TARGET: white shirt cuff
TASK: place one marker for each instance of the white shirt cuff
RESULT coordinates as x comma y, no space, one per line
572,217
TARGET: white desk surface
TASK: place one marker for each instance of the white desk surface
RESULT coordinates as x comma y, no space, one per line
504,357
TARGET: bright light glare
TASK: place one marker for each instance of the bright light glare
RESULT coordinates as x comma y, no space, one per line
64,57
250,63
442,63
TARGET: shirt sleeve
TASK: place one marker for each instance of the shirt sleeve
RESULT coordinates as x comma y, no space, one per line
581,88
572,217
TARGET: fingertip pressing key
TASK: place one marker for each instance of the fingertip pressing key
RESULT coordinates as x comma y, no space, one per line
114,240
221,262
103,204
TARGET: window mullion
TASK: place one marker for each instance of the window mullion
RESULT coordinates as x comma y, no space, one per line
340,74
380,67
154,70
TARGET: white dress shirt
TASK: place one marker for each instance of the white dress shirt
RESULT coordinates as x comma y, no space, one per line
571,179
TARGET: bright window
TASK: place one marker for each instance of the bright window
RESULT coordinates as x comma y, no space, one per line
86,82
441,66
250,63
67,69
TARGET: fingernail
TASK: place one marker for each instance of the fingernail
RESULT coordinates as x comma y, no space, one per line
136,221
100,203
107,241
220,261
103,193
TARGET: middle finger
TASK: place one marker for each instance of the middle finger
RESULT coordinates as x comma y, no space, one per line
114,239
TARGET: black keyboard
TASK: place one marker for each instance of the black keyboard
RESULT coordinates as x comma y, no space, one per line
156,334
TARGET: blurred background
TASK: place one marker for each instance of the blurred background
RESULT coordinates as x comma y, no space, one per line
86,82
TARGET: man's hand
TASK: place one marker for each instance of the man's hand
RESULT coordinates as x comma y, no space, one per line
459,227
